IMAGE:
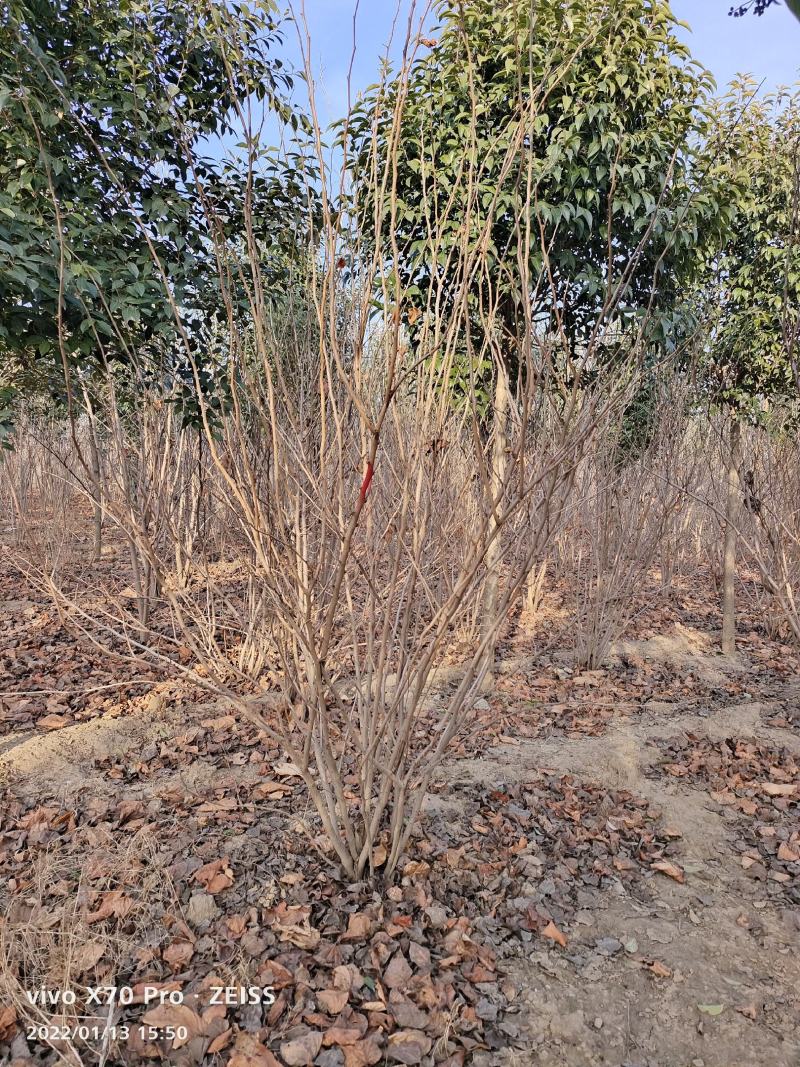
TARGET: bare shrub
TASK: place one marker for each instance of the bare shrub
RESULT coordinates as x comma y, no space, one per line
44,495
769,478
383,502
629,504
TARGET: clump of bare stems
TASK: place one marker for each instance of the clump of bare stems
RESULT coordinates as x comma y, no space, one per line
312,553
769,524
629,507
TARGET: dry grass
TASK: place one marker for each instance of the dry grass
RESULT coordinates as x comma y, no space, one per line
79,922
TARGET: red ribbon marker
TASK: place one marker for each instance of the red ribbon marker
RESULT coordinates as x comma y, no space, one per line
362,496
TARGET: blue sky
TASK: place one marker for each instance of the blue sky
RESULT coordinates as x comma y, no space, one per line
767,47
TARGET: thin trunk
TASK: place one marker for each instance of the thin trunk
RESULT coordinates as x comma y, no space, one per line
94,465
534,588
502,400
729,557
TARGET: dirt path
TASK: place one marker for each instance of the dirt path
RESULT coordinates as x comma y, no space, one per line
722,944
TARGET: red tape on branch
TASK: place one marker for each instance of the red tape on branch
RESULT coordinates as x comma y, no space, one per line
362,496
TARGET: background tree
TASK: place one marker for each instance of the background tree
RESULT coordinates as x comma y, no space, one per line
588,117
562,140
132,229
753,292
108,114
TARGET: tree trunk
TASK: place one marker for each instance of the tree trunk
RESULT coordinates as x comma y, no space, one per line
94,459
729,558
502,400
534,588
95,473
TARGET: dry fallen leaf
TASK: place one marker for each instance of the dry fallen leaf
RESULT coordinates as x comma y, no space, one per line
302,1051
178,954
221,804
224,722
408,1046
552,932
776,789
221,1041
271,791
175,1015
88,955
114,903
52,722
671,870
8,1022
656,967
343,977
287,770
416,869
333,1000
398,974
249,1052
341,1035
292,924
236,925
215,876
363,1053
359,925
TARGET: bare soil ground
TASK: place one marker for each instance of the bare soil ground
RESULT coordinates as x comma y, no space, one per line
583,890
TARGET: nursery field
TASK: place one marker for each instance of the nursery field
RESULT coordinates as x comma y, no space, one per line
399,533
607,869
